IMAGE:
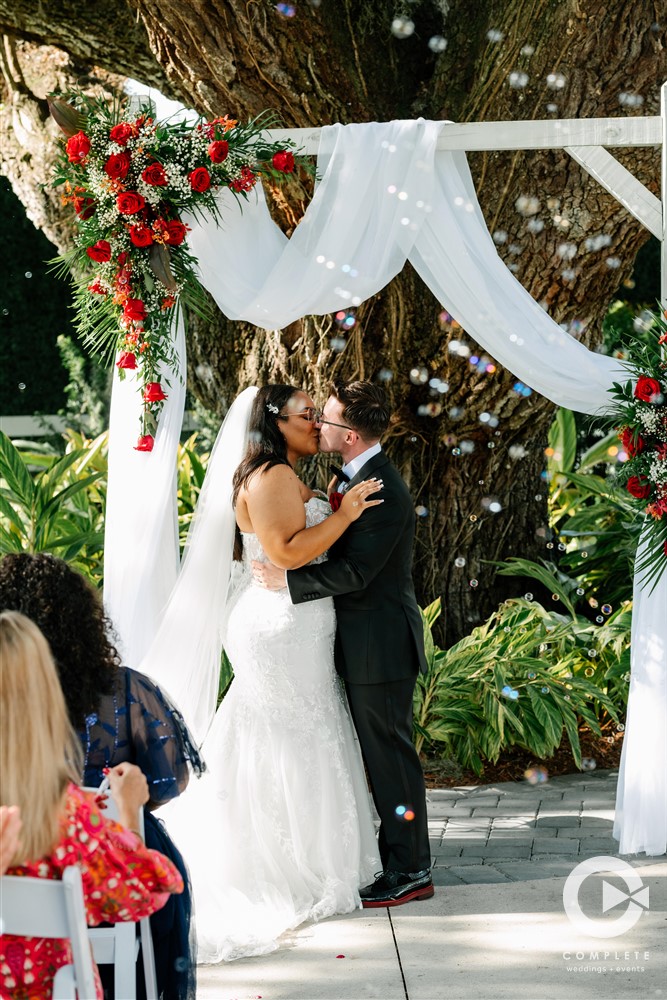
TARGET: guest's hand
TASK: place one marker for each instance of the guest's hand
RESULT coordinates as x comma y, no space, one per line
268,576
10,828
129,789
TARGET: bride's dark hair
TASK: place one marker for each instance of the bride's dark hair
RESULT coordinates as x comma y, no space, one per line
266,445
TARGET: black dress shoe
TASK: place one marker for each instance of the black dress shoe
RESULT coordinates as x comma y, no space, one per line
393,888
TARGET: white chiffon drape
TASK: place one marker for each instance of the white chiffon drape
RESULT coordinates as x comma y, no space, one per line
386,196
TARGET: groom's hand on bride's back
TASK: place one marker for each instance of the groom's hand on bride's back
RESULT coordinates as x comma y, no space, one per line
268,576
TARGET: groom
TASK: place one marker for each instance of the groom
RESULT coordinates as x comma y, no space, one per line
379,637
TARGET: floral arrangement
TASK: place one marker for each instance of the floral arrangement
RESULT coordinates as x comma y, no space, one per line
129,180
641,412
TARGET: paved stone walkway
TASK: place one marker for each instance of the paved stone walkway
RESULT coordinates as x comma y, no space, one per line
494,933
514,831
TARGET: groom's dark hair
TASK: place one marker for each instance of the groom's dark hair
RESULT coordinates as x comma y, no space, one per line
365,407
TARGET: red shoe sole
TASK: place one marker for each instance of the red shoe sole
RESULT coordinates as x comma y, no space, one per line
426,893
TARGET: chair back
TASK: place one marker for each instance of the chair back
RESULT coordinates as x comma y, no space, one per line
45,908
117,944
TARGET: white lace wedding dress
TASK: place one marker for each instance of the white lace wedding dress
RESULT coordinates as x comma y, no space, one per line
279,830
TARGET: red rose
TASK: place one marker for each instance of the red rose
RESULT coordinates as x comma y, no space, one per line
121,133
155,175
218,151
200,180
284,161
129,203
78,147
153,392
174,232
632,441
126,360
665,549
117,165
134,310
335,499
141,236
639,487
145,443
647,389
100,253
84,207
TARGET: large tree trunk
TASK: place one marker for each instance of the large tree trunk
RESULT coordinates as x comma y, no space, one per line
341,62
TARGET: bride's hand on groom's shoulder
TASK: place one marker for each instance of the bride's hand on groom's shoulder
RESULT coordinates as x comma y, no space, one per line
357,498
268,576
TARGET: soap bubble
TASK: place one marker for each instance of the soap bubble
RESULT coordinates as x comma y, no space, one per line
536,775
459,562
286,9
566,251
509,692
628,100
421,511
534,225
527,204
556,81
606,609
402,27
418,376
437,43
517,80
500,236
474,583
494,35
588,763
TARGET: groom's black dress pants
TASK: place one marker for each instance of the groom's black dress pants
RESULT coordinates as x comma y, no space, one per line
382,715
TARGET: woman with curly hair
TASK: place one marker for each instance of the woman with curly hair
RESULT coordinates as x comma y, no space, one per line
120,716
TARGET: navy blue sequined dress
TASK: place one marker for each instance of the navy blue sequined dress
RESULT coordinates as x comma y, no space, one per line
138,724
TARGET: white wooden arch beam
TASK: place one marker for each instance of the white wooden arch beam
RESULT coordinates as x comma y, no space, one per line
583,138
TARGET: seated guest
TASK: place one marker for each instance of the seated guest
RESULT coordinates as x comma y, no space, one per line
61,824
10,828
120,715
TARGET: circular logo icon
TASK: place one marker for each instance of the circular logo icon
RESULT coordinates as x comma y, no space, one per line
636,899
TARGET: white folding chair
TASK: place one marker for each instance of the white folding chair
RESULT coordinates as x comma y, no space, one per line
44,908
118,945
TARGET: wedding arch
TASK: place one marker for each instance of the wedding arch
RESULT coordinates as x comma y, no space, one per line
389,192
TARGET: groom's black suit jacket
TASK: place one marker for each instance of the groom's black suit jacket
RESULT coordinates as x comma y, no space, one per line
379,634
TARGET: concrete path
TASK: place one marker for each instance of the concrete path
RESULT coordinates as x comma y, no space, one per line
496,927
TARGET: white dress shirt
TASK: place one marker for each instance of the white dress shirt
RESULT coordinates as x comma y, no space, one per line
352,467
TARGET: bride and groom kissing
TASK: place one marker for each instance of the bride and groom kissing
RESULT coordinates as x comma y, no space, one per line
280,829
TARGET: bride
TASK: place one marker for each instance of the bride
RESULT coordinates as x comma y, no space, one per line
279,830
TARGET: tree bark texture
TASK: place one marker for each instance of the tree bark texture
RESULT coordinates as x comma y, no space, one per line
341,62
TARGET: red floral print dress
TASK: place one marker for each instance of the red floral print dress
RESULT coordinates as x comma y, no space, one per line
122,880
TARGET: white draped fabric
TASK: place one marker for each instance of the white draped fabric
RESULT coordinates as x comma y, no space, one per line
141,554
386,196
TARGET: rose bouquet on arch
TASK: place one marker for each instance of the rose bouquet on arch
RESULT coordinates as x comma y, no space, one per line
641,413
129,179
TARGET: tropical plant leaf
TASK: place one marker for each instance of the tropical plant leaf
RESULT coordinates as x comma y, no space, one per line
14,471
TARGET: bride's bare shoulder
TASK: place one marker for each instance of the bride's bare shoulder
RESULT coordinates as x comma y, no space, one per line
272,478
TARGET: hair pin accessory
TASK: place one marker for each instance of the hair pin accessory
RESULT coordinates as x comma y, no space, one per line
272,408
